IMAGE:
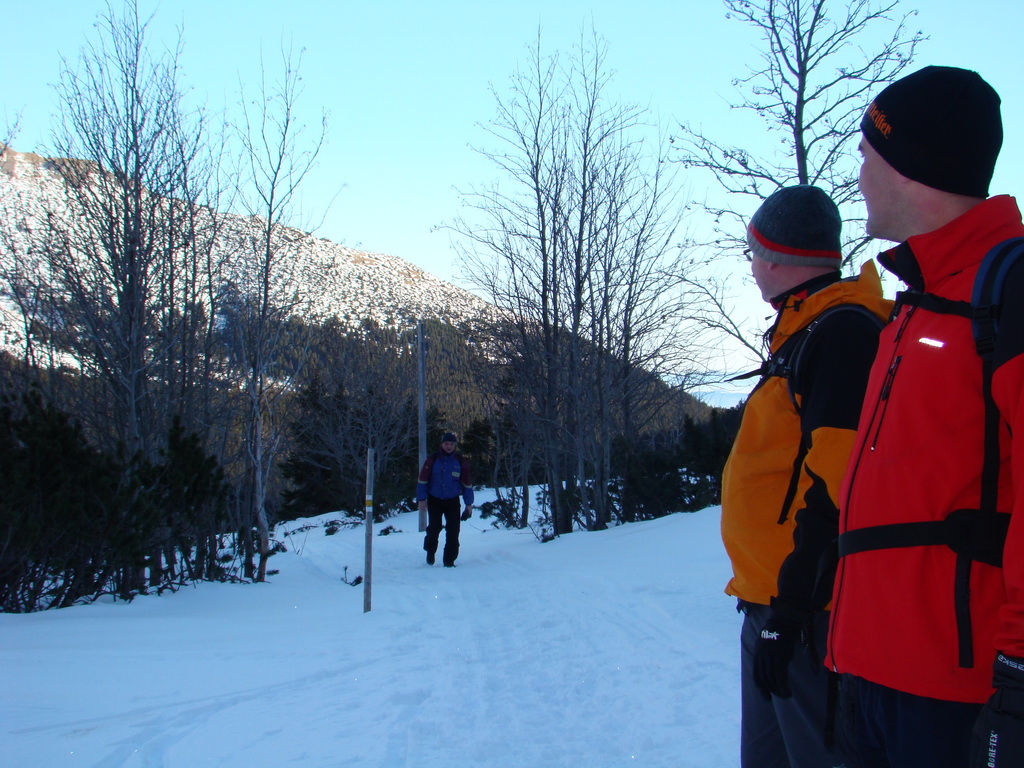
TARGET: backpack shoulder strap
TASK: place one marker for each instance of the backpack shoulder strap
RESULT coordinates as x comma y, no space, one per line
933,303
428,468
786,362
798,355
790,367
986,299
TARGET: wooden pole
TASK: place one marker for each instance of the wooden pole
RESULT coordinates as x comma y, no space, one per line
368,565
422,408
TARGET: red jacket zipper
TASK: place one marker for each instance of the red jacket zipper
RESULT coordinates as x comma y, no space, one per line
877,417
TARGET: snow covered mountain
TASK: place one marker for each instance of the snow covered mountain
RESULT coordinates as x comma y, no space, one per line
352,285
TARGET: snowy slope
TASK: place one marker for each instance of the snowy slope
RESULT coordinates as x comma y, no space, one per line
598,649
350,284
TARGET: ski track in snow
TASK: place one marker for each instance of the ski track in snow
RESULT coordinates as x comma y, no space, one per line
614,648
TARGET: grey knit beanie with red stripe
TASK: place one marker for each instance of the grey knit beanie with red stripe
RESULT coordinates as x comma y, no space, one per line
797,225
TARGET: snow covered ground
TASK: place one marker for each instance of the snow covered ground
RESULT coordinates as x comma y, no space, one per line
615,648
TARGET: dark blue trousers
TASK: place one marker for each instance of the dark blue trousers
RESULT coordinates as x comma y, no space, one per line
443,512
887,728
786,733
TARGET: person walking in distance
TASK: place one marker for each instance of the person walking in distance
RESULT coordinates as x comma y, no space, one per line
782,477
928,609
444,477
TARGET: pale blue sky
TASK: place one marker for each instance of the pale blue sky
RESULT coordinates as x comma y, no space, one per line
406,83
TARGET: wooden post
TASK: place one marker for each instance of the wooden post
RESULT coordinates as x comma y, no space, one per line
368,566
422,409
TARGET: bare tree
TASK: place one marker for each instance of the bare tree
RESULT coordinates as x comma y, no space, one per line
821,60
576,249
270,281
128,268
123,133
114,275
361,395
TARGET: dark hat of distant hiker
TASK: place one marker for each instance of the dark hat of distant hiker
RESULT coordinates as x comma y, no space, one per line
940,126
797,225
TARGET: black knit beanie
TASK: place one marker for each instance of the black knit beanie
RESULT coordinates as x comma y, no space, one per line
939,126
797,225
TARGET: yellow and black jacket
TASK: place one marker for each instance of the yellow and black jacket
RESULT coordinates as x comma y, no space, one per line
783,474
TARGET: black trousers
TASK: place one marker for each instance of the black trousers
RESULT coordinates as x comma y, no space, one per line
893,729
786,733
443,512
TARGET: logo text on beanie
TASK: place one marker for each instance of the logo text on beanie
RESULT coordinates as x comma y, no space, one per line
879,119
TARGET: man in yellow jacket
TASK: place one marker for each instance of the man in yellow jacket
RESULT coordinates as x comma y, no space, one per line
779,516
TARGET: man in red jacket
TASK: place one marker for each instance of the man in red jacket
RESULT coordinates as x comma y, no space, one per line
920,618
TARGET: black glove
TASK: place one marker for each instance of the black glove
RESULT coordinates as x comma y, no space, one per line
772,655
467,513
998,740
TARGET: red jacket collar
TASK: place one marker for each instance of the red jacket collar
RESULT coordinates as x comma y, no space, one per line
925,261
